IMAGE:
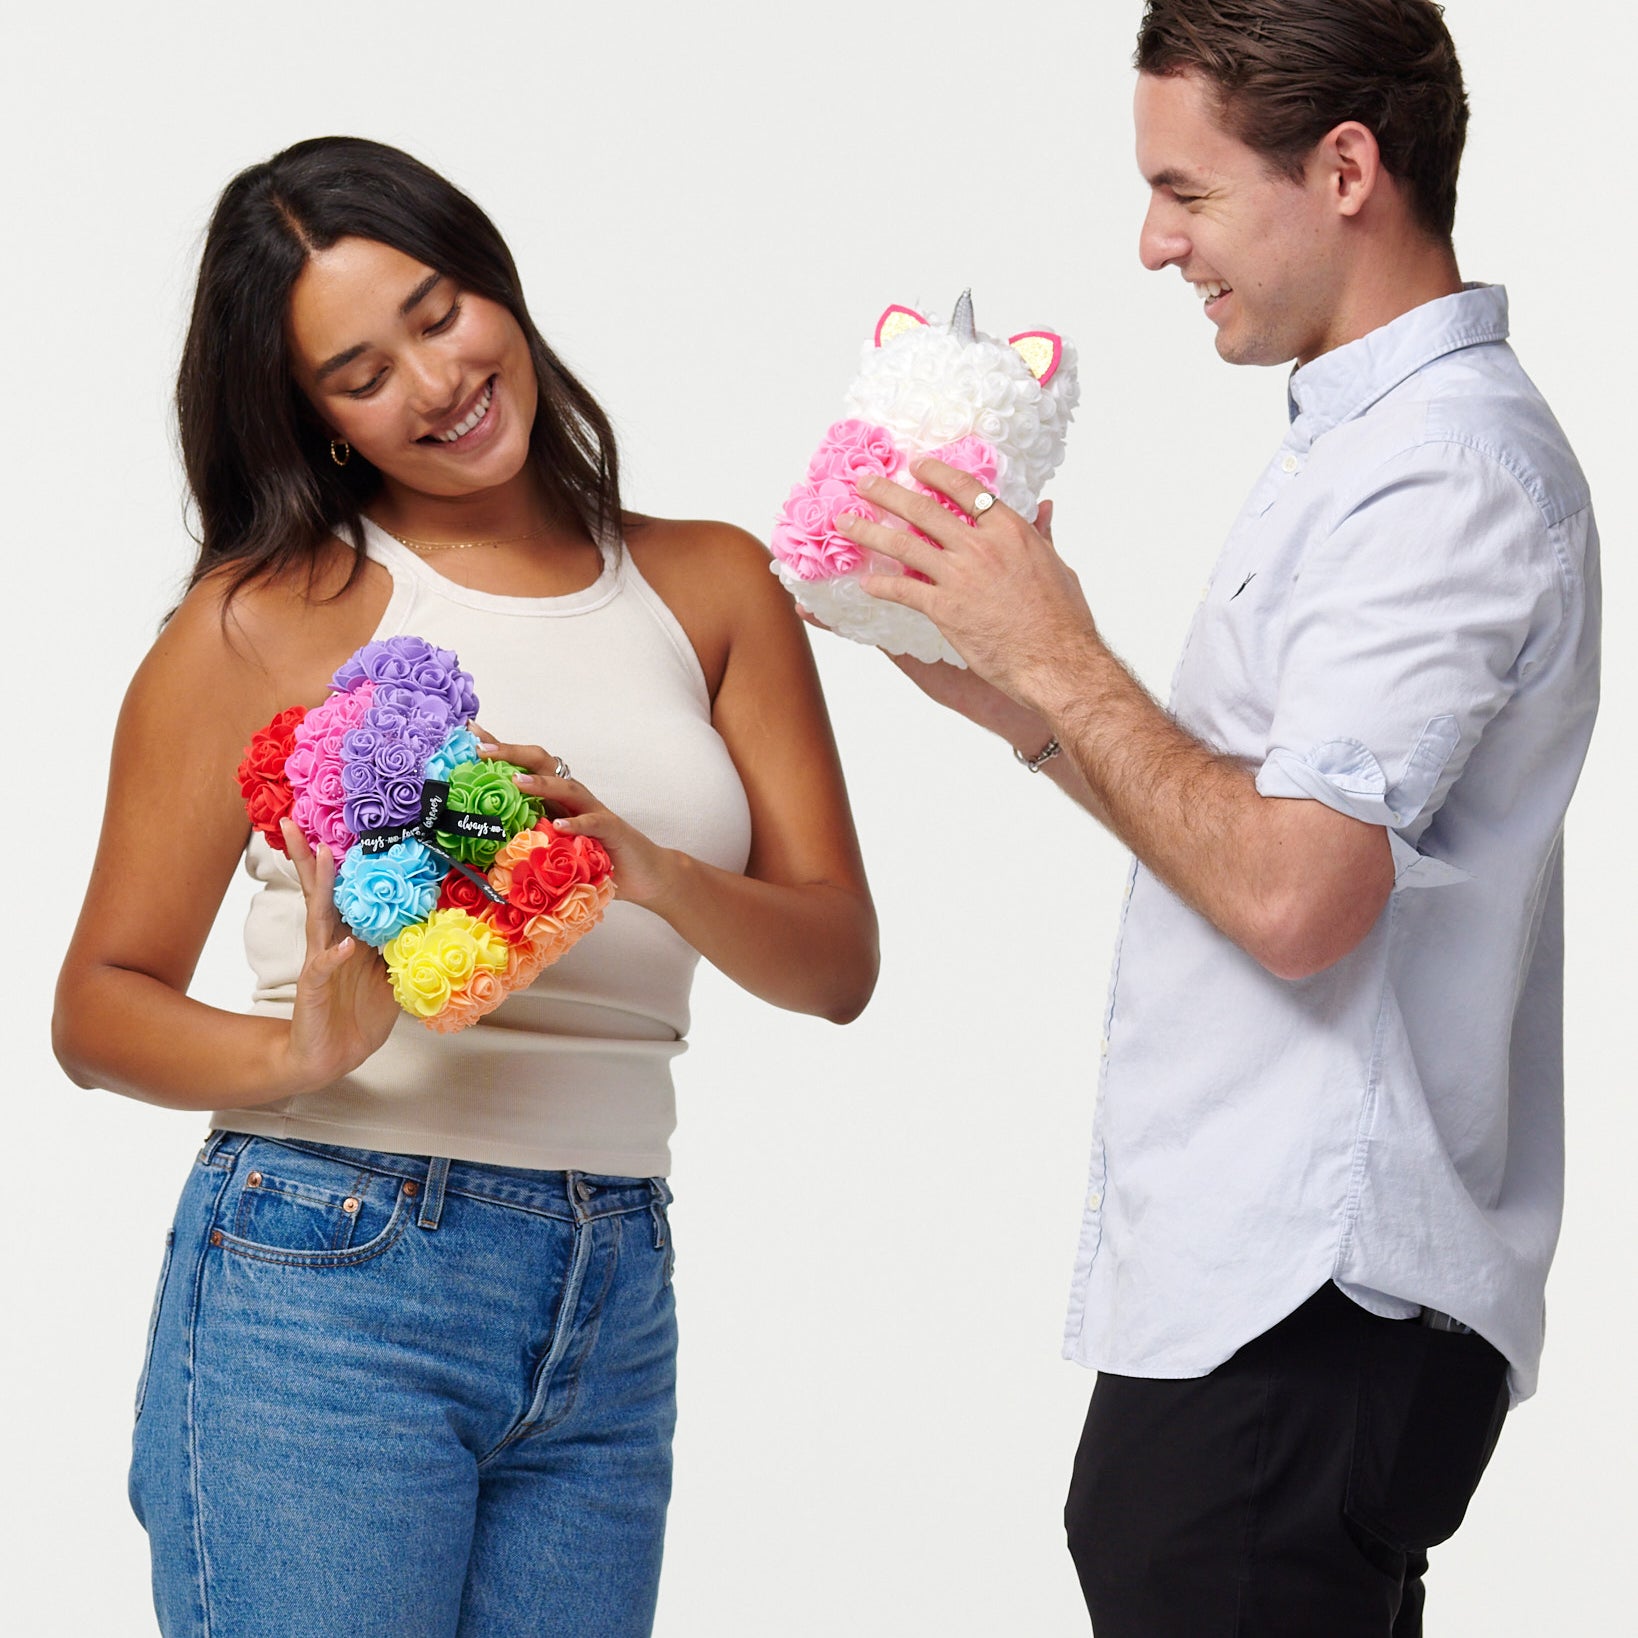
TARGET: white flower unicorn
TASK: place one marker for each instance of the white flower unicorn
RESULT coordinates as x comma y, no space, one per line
997,409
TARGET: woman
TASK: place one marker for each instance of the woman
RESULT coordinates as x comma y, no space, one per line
412,1353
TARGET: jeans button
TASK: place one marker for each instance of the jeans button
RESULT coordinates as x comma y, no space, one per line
412,1188
350,1205
254,1180
582,1190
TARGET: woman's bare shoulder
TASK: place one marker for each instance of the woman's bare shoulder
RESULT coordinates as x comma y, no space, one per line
271,642
714,577
713,569
694,546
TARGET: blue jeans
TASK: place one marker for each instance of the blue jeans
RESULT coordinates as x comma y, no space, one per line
386,1392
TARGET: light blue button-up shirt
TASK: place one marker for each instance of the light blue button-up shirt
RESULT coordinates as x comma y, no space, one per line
1403,625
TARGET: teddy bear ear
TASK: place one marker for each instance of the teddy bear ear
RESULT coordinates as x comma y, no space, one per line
1041,350
895,321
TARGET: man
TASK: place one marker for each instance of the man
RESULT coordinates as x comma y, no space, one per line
1326,1176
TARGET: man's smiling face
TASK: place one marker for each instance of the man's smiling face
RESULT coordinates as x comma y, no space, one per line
1261,250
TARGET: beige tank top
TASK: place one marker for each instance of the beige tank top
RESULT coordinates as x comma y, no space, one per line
574,1072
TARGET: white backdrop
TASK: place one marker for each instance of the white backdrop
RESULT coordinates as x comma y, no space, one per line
711,204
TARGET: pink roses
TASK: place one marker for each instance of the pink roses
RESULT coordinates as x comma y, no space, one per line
805,538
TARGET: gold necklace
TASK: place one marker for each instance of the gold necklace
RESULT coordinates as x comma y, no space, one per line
425,546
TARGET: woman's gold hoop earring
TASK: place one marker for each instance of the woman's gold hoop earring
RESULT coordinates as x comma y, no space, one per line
346,451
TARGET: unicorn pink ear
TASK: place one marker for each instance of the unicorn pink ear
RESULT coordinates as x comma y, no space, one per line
1041,350
895,321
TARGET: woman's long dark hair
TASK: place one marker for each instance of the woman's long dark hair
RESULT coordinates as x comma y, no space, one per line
256,454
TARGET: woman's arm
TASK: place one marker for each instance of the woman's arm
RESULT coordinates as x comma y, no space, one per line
798,928
173,831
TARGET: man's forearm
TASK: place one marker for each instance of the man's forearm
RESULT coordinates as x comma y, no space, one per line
1293,882
1064,769
986,706
1262,870
1183,810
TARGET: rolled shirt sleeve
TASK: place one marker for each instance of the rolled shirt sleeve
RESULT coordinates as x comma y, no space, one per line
1409,626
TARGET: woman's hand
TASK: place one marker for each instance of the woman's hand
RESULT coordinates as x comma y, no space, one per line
644,873
345,1008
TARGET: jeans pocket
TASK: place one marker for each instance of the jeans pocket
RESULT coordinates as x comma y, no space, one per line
1430,1411
153,1322
305,1210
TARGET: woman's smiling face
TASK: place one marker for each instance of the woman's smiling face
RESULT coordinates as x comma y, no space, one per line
432,385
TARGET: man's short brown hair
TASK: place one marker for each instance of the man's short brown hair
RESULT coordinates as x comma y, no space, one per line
1288,71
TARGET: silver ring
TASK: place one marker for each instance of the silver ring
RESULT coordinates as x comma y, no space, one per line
560,770
983,503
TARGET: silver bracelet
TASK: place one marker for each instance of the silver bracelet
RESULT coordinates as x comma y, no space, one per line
1046,753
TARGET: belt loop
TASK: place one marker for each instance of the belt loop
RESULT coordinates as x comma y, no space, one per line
432,1194
659,1199
1436,1321
581,1193
222,1141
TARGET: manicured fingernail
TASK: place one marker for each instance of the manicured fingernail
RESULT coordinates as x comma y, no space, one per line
560,824
846,520
522,778
487,749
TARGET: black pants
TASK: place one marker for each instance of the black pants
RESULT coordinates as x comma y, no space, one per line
1293,1492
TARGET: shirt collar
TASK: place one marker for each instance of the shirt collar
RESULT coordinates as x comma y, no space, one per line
1346,381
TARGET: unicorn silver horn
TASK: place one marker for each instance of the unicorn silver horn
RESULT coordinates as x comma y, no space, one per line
961,321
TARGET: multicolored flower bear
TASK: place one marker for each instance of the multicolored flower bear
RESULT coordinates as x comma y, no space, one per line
996,409
443,864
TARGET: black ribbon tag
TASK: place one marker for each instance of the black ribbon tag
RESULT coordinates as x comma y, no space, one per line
434,799
436,814
474,825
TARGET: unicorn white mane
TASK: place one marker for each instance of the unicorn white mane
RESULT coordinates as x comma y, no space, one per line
928,384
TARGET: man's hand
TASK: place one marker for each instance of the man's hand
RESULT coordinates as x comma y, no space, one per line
1009,605
1292,883
970,696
